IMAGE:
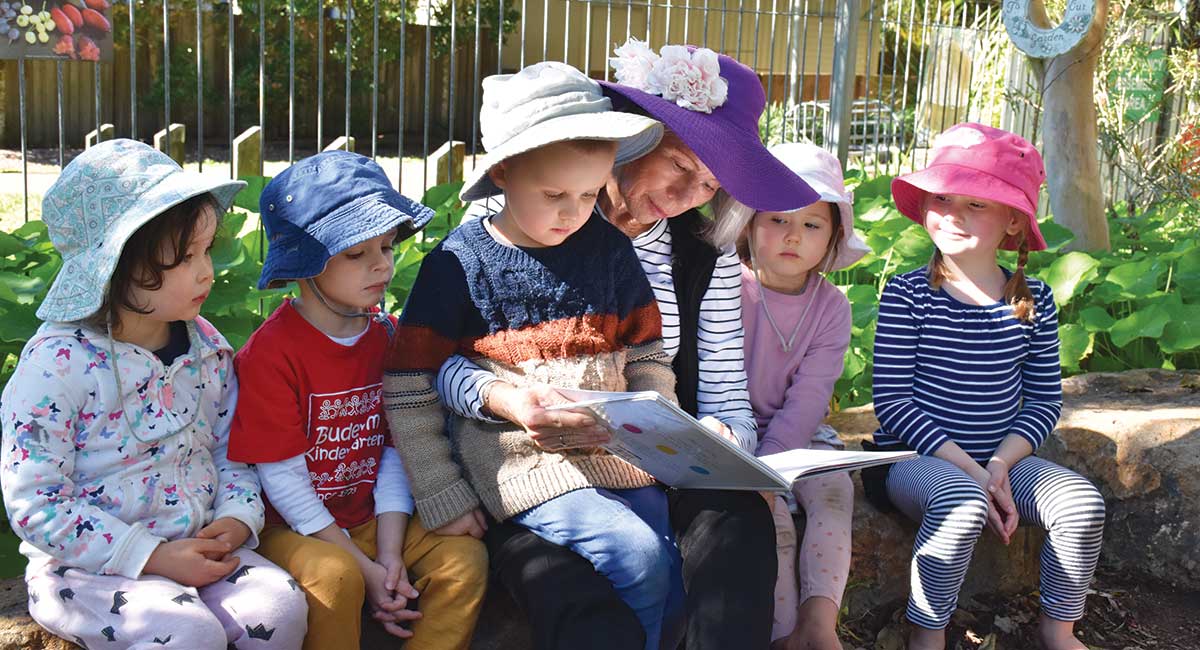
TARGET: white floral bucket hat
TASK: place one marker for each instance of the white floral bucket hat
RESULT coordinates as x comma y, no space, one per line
98,202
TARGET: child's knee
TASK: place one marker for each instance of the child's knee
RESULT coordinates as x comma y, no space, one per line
963,501
195,628
335,580
460,558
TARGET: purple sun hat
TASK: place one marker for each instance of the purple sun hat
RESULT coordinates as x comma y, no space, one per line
712,102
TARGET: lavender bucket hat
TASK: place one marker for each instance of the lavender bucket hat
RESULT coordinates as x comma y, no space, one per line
712,102
98,202
822,171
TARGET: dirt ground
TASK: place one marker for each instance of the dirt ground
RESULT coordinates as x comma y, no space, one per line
1122,614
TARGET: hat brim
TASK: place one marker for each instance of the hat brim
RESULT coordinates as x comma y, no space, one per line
305,254
635,135
79,289
909,192
735,156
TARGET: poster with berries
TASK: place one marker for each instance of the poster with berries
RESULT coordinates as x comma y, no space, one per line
72,30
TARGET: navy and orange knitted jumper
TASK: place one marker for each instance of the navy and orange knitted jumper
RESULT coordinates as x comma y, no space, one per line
577,315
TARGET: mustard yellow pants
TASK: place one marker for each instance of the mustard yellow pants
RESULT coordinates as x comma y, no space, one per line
449,572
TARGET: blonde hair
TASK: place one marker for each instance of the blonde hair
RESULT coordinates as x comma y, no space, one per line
1016,290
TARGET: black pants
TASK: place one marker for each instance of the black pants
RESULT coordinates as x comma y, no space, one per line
727,539
568,604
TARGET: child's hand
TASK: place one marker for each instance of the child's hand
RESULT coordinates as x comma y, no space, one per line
389,592
552,430
999,490
228,530
720,428
189,561
471,523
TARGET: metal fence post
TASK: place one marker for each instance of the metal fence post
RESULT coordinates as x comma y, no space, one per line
845,44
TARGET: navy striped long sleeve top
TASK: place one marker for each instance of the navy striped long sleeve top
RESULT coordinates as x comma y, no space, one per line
947,370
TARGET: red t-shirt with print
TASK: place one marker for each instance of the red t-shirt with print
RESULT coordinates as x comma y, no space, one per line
299,392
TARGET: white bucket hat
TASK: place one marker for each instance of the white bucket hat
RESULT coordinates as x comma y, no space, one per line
822,171
545,103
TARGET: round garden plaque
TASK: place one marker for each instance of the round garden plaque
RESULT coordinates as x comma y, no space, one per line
1045,43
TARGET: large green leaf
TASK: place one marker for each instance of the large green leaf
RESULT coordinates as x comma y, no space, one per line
10,245
1070,273
1183,332
880,186
1137,279
1146,322
439,195
864,303
1056,236
1076,345
1095,319
247,199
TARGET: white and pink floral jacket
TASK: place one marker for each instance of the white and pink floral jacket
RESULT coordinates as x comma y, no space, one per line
94,478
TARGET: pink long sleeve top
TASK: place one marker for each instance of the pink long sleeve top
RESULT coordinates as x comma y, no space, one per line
790,390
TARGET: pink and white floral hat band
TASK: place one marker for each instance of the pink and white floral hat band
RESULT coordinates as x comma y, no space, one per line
690,78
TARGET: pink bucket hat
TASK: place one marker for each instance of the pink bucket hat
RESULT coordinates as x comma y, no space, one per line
976,160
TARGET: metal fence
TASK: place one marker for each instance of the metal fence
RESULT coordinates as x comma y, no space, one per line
870,79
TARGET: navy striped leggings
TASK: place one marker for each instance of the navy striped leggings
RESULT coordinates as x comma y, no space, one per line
952,509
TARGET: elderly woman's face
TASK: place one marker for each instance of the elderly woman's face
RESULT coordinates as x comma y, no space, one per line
665,182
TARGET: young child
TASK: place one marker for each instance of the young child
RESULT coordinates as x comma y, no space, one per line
136,525
967,374
311,418
797,330
543,293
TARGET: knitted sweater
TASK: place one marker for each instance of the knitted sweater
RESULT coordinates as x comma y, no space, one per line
577,315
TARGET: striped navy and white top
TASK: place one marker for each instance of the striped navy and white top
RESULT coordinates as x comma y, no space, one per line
947,370
722,391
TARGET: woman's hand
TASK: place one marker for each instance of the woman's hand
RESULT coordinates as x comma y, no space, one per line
552,430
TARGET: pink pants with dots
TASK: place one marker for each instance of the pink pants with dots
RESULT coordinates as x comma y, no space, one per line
821,564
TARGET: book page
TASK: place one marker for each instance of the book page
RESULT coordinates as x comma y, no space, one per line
670,445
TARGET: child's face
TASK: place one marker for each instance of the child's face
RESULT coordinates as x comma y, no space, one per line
185,287
550,192
357,277
787,245
963,225
666,182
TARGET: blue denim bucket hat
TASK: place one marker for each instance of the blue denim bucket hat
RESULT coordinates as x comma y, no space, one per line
98,202
323,205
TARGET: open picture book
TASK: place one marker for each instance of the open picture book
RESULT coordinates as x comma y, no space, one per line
669,444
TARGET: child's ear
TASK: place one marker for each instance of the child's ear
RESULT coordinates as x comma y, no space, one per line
1016,223
499,174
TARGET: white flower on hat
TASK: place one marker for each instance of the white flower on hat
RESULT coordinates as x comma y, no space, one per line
690,79
633,63
963,136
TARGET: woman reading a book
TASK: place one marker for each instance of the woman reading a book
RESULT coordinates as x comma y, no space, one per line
711,143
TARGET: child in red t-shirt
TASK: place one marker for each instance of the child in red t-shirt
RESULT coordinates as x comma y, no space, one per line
310,415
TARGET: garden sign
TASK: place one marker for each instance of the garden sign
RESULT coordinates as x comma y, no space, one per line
1042,43
73,30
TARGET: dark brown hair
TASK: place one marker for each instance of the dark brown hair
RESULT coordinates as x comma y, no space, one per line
831,251
157,247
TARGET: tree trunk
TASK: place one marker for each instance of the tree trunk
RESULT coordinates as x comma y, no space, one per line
1069,132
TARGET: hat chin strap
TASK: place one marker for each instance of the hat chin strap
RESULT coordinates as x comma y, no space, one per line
321,297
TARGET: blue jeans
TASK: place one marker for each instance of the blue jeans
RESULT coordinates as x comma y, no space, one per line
626,535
